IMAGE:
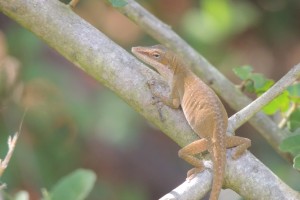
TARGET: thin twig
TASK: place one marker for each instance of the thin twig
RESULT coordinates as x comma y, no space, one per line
287,115
11,146
238,119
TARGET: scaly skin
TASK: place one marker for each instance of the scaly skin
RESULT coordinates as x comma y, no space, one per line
202,109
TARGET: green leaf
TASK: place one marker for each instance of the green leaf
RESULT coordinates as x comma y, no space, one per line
294,120
293,124
259,80
220,12
249,86
297,162
294,91
118,3
75,186
254,82
281,103
220,20
291,144
243,72
264,87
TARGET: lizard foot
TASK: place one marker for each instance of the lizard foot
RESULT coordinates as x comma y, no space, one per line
73,3
241,144
152,85
193,172
155,86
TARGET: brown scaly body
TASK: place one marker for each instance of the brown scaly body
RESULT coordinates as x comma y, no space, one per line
208,118
203,110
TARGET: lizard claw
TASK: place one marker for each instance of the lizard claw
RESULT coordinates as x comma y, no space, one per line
193,172
156,100
151,82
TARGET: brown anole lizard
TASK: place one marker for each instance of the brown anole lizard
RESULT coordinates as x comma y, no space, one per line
202,109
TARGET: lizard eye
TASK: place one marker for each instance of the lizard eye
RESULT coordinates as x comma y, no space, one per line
155,55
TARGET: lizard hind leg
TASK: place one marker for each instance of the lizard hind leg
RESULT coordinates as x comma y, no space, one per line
240,143
188,153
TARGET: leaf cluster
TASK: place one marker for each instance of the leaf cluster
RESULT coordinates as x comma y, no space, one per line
286,105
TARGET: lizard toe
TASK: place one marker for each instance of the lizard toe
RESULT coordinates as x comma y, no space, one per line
193,172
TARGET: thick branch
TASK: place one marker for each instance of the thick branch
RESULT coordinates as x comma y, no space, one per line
242,174
99,57
208,73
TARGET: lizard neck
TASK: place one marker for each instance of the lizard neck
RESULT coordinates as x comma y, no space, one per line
182,74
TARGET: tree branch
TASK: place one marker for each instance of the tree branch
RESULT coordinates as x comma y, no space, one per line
94,53
247,176
207,72
102,59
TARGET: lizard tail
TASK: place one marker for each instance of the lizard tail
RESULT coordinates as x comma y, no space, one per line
219,161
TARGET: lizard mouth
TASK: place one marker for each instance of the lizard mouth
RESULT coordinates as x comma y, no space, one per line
141,53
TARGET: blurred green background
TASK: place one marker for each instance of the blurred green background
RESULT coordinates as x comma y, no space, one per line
74,122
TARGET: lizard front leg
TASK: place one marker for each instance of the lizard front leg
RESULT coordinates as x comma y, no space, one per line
170,99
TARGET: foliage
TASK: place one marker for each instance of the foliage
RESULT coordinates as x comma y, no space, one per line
252,82
218,20
287,104
292,144
75,186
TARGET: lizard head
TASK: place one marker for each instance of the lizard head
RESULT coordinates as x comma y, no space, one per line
158,57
